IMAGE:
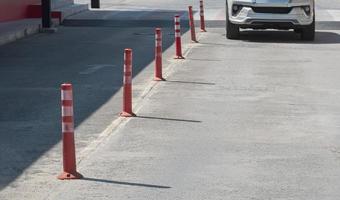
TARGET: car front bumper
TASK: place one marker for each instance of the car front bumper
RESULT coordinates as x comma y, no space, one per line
247,18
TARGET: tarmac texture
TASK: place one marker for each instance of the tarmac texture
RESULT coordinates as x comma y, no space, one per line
255,118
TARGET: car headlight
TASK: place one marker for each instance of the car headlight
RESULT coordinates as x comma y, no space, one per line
306,9
236,9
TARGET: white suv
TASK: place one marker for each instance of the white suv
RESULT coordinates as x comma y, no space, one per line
271,14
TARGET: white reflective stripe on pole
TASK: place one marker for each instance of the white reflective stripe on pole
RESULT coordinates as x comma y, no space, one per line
66,95
66,111
67,127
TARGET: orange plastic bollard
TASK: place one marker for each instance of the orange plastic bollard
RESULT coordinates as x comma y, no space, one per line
178,38
192,25
158,55
127,88
202,16
69,155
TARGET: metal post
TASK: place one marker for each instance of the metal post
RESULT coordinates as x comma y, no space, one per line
95,3
46,13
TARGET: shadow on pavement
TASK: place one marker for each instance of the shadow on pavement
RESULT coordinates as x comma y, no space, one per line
203,59
323,37
31,71
168,119
189,82
125,18
126,183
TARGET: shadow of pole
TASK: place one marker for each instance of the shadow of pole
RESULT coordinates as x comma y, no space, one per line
289,37
189,82
29,111
168,119
126,183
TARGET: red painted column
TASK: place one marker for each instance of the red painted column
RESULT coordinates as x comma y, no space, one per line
15,9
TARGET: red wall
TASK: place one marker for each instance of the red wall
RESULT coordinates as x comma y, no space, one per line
15,9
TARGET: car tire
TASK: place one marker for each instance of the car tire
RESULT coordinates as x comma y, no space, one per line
233,30
308,32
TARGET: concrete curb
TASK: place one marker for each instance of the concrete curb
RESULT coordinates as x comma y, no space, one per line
19,29
15,30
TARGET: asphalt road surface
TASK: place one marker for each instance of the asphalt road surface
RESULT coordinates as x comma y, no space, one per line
256,118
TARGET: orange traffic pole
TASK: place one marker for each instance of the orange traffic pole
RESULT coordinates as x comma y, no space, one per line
192,25
69,155
178,39
202,16
158,55
127,87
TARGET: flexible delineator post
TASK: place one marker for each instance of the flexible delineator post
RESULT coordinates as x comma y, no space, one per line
69,154
127,85
178,38
202,16
158,55
192,25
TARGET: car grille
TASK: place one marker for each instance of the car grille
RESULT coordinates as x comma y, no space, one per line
273,10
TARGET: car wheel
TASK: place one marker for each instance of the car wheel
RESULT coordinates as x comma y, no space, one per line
233,31
308,32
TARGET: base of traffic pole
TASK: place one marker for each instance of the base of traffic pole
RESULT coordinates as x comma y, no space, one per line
159,79
126,114
69,176
48,30
203,30
179,57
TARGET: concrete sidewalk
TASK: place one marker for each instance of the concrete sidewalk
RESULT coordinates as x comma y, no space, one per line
226,126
